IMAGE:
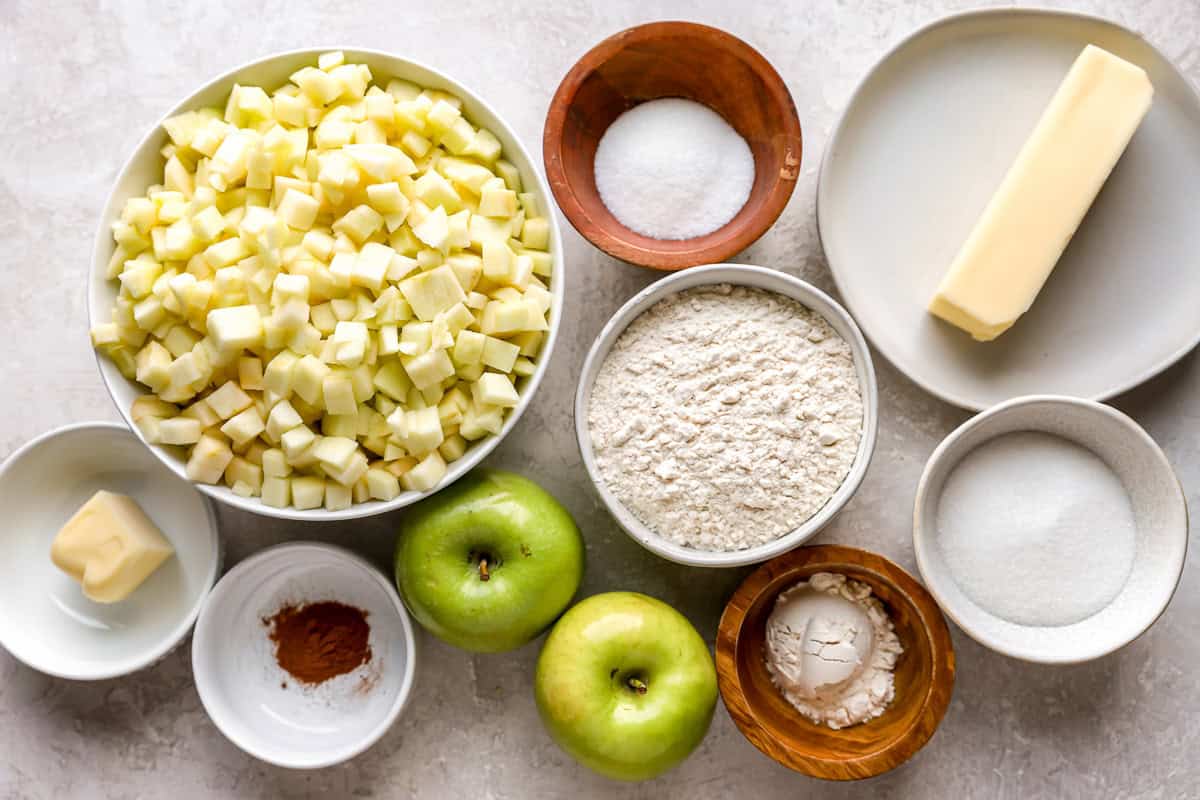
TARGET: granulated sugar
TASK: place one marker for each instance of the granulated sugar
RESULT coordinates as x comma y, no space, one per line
673,169
1036,529
724,417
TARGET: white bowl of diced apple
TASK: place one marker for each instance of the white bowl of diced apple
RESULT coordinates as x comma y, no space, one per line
326,285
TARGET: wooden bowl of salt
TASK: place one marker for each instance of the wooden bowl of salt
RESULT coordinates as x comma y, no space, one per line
671,60
923,676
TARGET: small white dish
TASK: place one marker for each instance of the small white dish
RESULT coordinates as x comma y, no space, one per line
144,168
45,619
740,275
1160,515
921,147
264,710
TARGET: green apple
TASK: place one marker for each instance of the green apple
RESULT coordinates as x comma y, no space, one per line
626,685
489,562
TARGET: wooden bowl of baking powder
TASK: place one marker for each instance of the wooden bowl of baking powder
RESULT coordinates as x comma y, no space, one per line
671,59
924,673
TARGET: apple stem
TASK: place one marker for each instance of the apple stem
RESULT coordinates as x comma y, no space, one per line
483,570
637,685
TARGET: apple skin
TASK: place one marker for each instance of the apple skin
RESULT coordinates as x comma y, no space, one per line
535,561
588,705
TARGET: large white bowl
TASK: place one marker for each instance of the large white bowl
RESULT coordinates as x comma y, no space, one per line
144,168
260,707
762,278
45,619
1159,509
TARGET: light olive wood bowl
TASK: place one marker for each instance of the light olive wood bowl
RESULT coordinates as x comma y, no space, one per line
671,59
924,676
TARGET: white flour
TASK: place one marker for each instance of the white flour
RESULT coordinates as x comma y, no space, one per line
831,649
724,417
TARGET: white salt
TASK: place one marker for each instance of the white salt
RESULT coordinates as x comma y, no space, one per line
1036,529
673,169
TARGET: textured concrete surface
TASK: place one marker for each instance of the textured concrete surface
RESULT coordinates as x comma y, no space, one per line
82,81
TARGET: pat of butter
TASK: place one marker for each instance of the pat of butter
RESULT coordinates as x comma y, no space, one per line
1049,188
110,546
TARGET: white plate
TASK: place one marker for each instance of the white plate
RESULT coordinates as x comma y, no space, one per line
923,144
45,620
261,708
1159,509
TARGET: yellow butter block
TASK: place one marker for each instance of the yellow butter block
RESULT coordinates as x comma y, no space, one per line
1059,171
110,546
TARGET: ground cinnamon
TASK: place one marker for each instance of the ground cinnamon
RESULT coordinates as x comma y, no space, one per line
319,641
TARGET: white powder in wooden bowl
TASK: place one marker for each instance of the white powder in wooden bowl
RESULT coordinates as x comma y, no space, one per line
673,169
725,417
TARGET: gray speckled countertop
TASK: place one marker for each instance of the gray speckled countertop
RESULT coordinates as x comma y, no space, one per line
82,81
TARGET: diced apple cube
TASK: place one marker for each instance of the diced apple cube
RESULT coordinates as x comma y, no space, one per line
453,448
493,389
497,201
298,210
283,418
147,405
308,378
511,175
242,471
468,347
307,492
275,464
202,412
339,394
536,233
426,474
244,427
179,430
337,497
356,469
392,380
429,368
235,327
382,484
278,375
296,441
318,85
277,491
484,146
499,354
335,452
228,400
432,292
153,366
458,137
434,229
208,460
359,223
250,373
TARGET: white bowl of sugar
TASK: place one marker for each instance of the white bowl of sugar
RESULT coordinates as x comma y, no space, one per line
1051,529
726,414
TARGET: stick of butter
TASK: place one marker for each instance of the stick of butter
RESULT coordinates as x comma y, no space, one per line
1027,224
110,546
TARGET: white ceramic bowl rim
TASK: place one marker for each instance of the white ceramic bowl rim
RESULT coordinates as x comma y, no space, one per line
176,634
406,680
514,151
881,342
966,613
746,275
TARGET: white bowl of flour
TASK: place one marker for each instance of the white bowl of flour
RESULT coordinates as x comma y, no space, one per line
726,414
1051,529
